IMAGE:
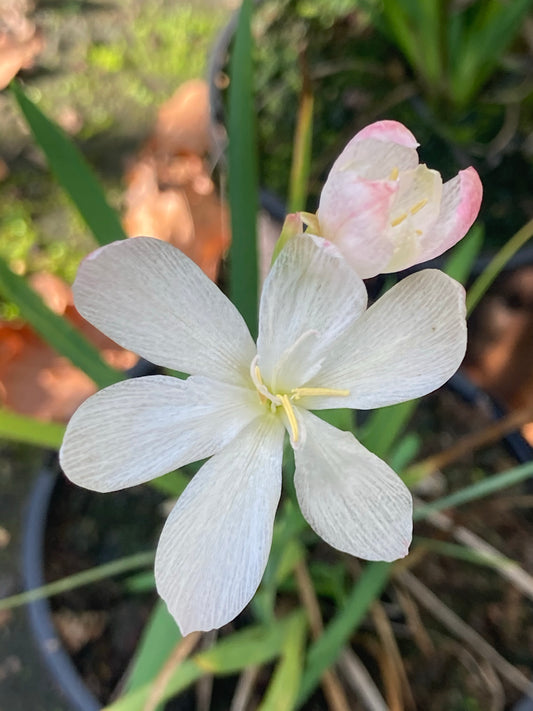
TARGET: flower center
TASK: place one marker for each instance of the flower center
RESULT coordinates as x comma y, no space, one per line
286,400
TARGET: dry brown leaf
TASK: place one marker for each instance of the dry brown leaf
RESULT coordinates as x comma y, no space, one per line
34,379
182,124
500,356
170,194
20,41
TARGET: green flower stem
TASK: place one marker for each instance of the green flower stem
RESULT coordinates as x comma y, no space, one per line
485,279
99,572
303,137
482,488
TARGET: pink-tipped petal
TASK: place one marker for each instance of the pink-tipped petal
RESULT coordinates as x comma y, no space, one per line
392,131
461,200
373,159
354,214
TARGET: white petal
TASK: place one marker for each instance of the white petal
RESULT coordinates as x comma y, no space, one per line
310,288
413,215
139,429
350,497
374,158
407,344
152,299
215,544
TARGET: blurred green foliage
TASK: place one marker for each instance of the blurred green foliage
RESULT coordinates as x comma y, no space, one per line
108,67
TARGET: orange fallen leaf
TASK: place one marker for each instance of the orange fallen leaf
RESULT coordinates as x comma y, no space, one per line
500,353
20,41
34,379
170,194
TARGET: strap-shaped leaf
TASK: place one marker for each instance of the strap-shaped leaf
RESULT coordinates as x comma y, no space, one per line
21,428
55,330
72,171
242,166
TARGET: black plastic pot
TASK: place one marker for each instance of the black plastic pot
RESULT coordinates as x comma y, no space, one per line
55,657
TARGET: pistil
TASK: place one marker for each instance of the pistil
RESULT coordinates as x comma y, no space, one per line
285,400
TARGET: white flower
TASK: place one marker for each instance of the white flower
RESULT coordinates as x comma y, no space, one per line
317,349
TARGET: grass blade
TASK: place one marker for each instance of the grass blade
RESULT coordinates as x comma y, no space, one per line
283,688
251,646
324,652
476,491
159,638
72,171
55,330
500,259
242,169
86,577
21,428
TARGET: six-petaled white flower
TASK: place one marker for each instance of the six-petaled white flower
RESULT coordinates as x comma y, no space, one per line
318,348
384,210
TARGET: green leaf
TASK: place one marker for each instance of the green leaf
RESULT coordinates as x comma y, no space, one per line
159,638
252,646
72,171
454,550
482,488
497,263
242,168
462,257
325,651
283,688
171,484
484,40
55,330
384,426
301,155
20,428
86,577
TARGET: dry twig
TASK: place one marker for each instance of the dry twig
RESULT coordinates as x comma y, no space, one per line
331,685
358,678
180,652
464,632
244,689
470,443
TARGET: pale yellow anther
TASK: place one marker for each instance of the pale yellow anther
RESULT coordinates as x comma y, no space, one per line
293,422
285,401
394,173
297,393
418,206
310,220
398,220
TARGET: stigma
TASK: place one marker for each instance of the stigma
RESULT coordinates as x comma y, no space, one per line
286,400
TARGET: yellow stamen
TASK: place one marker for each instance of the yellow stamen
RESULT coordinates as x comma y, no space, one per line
399,219
418,206
298,393
394,173
293,422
